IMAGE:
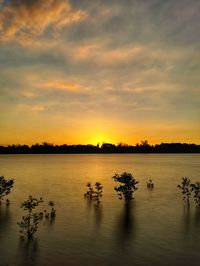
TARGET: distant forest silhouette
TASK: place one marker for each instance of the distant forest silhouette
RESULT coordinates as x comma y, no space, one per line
143,147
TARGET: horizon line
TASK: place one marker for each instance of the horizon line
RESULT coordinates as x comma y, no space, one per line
145,142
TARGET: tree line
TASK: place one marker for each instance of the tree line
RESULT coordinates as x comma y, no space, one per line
143,147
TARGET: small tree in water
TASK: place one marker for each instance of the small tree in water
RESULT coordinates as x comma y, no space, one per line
127,187
5,187
98,192
94,194
53,210
29,224
90,191
196,189
185,186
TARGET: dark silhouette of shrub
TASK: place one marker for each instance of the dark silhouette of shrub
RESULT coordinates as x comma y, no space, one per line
53,210
127,187
196,189
98,192
185,186
90,191
94,194
5,187
150,184
29,224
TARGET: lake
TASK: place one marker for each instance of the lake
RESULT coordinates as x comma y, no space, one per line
158,229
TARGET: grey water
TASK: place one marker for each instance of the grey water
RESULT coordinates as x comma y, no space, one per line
158,229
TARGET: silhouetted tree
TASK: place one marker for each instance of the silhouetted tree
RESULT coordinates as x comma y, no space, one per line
53,210
196,189
5,187
89,192
29,224
127,187
144,143
96,193
108,148
150,184
185,186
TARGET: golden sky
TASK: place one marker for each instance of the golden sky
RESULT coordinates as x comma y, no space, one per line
85,71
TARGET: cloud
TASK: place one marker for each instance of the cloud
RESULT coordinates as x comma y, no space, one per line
42,83
25,20
125,61
27,94
30,108
60,85
102,55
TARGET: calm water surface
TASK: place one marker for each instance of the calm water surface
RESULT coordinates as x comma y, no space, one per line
158,230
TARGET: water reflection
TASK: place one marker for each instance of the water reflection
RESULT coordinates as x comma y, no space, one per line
89,204
197,215
126,223
190,231
49,221
124,235
98,214
191,221
151,232
28,251
97,211
5,218
186,219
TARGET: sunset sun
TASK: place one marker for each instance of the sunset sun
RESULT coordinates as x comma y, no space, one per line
100,139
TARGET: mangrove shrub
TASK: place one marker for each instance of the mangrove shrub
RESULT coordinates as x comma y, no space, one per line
29,224
127,187
5,186
186,189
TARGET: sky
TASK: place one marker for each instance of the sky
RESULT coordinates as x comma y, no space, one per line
89,71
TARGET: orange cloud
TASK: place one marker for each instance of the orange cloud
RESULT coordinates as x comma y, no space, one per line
30,108
100,53
38,82
27,94
24,20
60,85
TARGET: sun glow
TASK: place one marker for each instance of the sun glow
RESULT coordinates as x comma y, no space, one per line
99,139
